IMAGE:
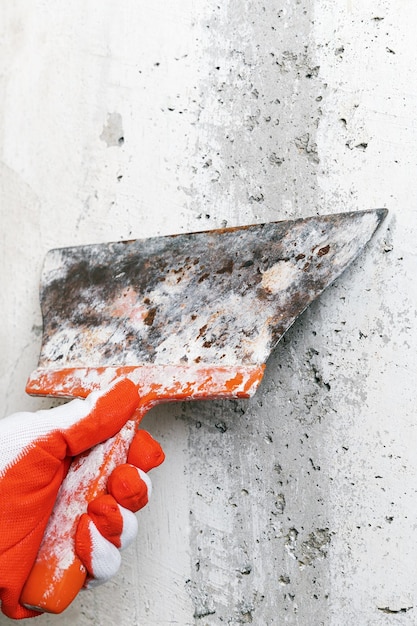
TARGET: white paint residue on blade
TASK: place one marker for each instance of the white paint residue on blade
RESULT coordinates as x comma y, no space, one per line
258,347
54,265
216,336
354,237
60,347
280,277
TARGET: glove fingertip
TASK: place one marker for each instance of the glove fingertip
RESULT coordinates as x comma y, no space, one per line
145,452
130,487
106,515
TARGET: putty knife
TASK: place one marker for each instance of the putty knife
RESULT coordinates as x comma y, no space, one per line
190,316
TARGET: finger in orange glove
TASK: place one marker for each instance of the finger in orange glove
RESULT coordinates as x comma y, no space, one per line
110,524
36,450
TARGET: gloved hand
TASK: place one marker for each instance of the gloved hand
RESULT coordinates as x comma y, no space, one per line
36,450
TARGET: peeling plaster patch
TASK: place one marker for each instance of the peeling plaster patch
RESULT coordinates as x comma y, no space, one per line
275,159
280,503
112,133
309,147
204,608
389,611
314,547
291,541
362,145
246,613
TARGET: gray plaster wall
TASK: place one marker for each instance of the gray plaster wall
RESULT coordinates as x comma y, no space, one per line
131,119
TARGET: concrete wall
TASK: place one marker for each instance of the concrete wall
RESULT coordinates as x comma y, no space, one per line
130,119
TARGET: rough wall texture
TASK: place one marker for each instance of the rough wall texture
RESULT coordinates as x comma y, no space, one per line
121,120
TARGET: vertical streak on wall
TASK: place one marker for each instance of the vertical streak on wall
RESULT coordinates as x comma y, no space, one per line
367,141
256,156
258,512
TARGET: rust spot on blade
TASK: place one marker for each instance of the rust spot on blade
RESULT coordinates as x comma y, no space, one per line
149,318
202,331
228,268
323,251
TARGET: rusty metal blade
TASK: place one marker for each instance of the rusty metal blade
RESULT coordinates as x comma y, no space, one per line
222,297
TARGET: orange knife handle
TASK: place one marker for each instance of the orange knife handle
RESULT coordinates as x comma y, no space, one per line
46,593
58,574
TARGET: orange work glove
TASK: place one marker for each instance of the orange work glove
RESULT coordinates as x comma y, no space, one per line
36,450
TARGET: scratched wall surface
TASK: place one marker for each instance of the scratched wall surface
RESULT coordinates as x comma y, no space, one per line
134,119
